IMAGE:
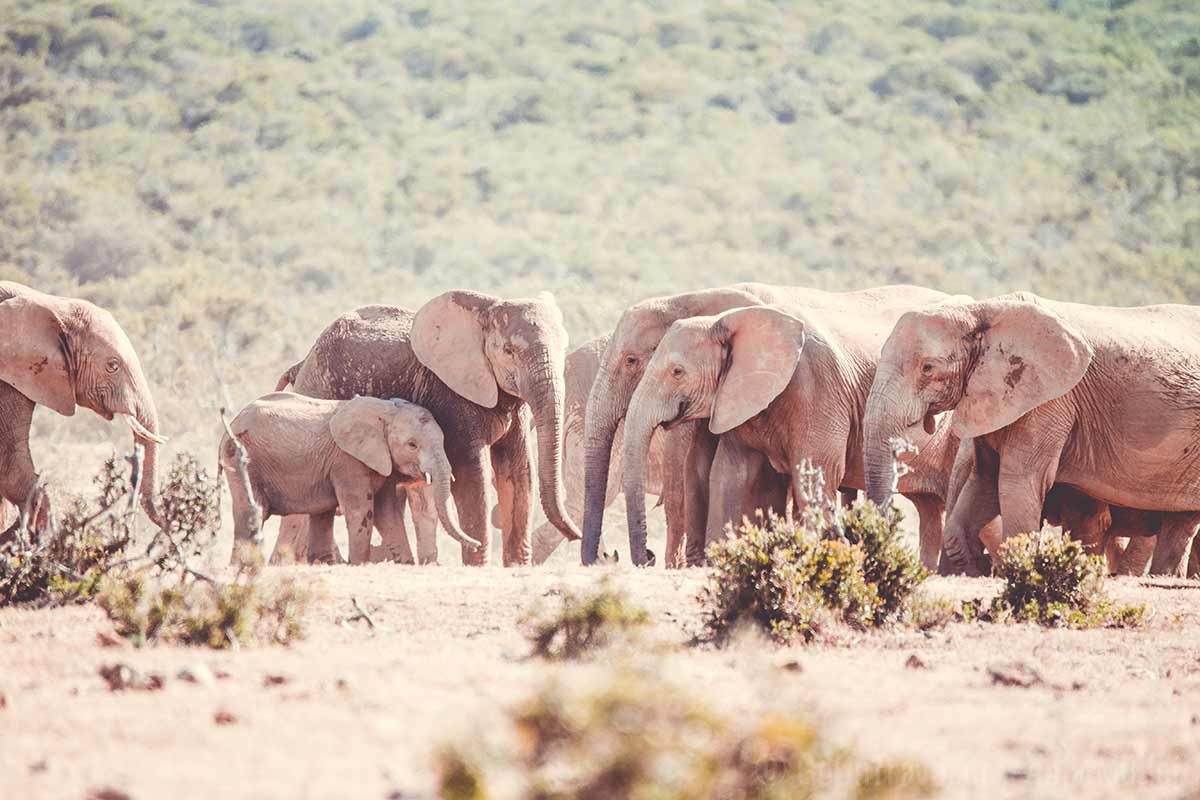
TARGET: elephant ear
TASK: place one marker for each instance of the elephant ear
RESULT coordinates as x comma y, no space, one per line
359,427
764,347
448,338
32,356
1028,355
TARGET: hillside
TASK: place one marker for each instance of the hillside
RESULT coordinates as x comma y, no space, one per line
227,179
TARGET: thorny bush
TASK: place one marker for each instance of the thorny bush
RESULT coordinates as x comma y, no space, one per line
583,623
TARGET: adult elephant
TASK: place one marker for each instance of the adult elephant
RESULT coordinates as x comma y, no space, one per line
779,384
581,367
622,364
64,353
1103,399
478,364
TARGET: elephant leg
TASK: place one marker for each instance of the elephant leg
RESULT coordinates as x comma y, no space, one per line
976,507
733,487
1171,549
702,450
291,546
769,491
674,494
513,475
389,520
359,513
425,523
1193,570
930,515
1135,559
247,521
848,497
17,473
470,500
321,549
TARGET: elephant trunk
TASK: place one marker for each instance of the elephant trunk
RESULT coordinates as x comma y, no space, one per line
599,430
639,428
440,473
144,424
547,393
884,420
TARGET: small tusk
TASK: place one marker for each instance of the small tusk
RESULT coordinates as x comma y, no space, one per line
428,479
452,477
140,430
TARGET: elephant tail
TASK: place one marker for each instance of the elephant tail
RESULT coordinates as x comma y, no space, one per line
288,378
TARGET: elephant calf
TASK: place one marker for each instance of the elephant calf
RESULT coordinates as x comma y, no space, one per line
310,456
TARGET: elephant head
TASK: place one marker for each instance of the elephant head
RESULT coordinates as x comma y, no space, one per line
64,353
480,345
990,362
622,365
727,368
401,438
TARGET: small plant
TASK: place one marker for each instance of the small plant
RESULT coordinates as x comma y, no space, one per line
638,736
791,579
199,612
1050,580
190,503
583,623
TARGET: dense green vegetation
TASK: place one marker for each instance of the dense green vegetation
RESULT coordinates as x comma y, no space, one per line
228,175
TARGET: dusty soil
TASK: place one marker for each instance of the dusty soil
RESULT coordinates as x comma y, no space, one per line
355,712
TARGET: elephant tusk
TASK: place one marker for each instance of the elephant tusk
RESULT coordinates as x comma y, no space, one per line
140,430
428,479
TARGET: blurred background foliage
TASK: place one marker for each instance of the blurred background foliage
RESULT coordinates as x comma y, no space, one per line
226,176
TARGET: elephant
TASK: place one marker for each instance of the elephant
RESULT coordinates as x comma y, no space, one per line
778,384
1125,537
620,371
309,456
479,364
1102,399
581,367
63,353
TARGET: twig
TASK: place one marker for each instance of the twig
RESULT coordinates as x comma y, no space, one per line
243,460
360,614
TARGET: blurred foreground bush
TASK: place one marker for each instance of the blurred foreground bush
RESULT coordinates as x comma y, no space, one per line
635,735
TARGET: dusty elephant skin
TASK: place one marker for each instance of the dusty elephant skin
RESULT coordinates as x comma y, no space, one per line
64,353
479,364
309,456
633,342
778,384
1103,399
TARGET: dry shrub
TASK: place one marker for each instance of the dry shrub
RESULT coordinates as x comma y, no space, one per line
201,612
638,736
583,622
66,563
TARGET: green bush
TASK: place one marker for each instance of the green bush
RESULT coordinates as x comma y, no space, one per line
583,623
1050,580
638,737
791,580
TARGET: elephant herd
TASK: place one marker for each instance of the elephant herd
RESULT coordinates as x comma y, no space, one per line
1017,409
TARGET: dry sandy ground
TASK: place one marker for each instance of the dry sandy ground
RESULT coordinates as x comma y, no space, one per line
359,710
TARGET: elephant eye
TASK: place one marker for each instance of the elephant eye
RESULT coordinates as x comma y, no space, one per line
412,444
113,365
927,368
508,350
631,361
677,372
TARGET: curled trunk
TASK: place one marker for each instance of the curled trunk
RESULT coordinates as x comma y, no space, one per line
546,399
440,475
146,418
639,428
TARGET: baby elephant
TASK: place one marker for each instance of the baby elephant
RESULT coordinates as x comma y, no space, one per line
310,456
